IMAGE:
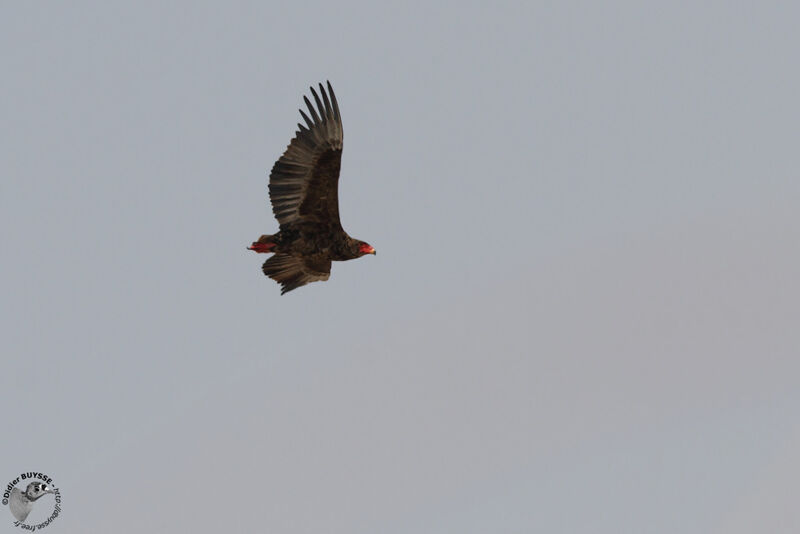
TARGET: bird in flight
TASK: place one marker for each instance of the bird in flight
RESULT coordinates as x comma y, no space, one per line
304,192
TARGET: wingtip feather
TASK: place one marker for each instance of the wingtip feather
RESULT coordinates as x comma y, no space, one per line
312,110
336,113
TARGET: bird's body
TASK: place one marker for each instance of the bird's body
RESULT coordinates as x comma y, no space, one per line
304,191
299,240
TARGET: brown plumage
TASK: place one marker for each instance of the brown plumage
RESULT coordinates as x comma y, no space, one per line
304,191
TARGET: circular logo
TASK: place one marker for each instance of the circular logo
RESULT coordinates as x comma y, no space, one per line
29,500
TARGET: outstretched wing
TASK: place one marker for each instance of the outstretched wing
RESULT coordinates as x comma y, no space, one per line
304,182
292,272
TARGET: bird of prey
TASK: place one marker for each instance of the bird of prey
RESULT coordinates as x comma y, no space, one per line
304,191
21,502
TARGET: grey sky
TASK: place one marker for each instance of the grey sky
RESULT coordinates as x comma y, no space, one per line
583,312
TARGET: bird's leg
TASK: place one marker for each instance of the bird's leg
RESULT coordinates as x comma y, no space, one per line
265,243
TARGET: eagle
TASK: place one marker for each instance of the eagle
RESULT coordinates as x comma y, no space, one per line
304,192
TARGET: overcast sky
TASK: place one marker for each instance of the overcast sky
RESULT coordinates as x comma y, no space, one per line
582,317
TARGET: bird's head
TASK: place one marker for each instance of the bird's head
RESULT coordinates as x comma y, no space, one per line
37,489
365,248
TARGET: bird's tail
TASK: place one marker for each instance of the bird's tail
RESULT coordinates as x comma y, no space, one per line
265,243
